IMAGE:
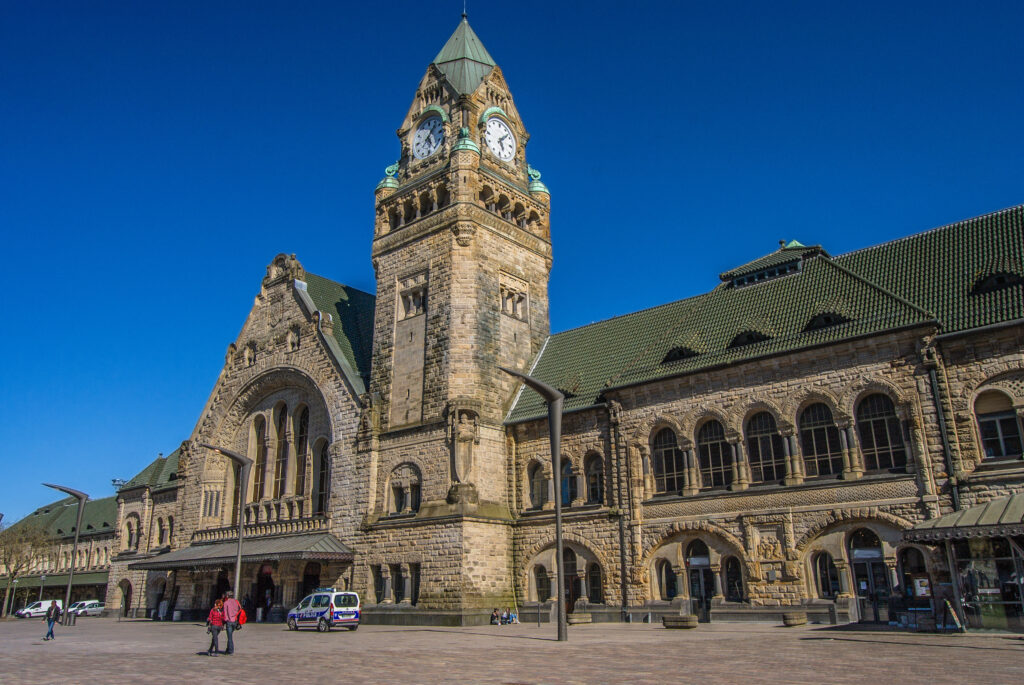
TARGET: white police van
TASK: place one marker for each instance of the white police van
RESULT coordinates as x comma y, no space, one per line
325,609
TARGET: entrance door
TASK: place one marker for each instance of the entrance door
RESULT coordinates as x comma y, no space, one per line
702,588
870,577
572,584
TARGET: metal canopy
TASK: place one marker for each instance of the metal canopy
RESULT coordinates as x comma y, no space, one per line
998,518
318,547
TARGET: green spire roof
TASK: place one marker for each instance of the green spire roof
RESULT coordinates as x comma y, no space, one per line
464,60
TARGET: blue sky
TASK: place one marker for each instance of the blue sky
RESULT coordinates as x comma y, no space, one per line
155,156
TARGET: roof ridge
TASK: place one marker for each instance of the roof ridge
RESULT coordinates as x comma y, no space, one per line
339,284
633,313
885,291
929,231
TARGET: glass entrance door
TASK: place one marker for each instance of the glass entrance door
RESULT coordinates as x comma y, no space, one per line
870,576
702,588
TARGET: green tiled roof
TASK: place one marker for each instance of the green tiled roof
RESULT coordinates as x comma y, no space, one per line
915,280
161,472
58,518
353,312
464,60
937,269
790,252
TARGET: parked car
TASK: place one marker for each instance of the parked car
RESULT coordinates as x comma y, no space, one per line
90,607
37,609
326,609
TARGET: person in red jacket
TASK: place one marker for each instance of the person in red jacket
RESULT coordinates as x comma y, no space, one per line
231,610
214,624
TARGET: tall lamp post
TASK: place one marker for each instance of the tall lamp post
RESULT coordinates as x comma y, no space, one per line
553,398
42,579
244,466
81,497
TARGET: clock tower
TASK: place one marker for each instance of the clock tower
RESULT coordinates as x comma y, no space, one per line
462,254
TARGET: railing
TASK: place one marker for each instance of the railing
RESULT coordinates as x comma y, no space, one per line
292,526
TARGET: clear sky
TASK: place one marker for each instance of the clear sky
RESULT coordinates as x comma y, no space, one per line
155,156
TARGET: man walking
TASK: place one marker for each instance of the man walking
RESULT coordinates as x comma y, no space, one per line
52,616
231,611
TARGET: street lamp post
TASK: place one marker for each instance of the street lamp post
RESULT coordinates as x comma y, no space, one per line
554,399
244,466
81,497
42,579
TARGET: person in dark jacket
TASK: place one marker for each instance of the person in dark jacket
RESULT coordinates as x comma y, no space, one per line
214,624
52,616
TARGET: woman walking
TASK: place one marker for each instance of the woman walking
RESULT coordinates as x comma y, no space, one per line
214,624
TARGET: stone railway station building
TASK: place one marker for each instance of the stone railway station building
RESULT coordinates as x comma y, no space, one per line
772,443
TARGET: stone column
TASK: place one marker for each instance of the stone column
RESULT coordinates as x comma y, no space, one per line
894,578
549,502
843,571
740,478
406,585
553,587
385,573
585,585
580,491
682,586
716,571
692,473
851,455
406,500
796,458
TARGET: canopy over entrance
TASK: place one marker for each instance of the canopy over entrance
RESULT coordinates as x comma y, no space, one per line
59,580
998,518
318,547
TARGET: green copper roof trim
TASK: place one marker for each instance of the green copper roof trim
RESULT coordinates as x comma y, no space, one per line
490,111
387,182
466,144
538,187
436,110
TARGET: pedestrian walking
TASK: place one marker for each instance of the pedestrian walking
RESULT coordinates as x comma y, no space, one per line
52,616
214,624
231,611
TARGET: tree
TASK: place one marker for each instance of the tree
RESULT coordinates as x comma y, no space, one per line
20,547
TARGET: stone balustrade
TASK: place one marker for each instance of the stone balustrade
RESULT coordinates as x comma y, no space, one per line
281,527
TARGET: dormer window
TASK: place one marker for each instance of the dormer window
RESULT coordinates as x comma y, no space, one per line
766,274
678,354
748,338
825,320
992,282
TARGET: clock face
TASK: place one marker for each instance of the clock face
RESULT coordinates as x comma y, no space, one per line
500,140
429,136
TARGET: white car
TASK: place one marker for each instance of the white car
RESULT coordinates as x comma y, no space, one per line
325,609
37,609
90,607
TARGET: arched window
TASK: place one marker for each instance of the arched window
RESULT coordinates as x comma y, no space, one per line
596,595
323,470
998,425
160,532
260,466
911,565
594,468
714,455
543,583
697,555
733,580
669,464
881,439
301,445
281,453
826,576
819,438
667,579
538,486
764,448
404,490
570,487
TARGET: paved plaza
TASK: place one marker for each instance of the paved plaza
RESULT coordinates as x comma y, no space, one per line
104,650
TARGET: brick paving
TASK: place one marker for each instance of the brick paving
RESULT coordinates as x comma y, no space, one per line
104,650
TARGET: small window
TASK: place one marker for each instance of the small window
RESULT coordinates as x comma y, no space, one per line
998,425
678,354
825,320
997,281
748,338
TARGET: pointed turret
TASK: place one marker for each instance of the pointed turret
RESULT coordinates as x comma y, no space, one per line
464,60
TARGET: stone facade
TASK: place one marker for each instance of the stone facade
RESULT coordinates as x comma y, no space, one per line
411,461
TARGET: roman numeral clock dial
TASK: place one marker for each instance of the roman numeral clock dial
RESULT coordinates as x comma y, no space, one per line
428,138
500,140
